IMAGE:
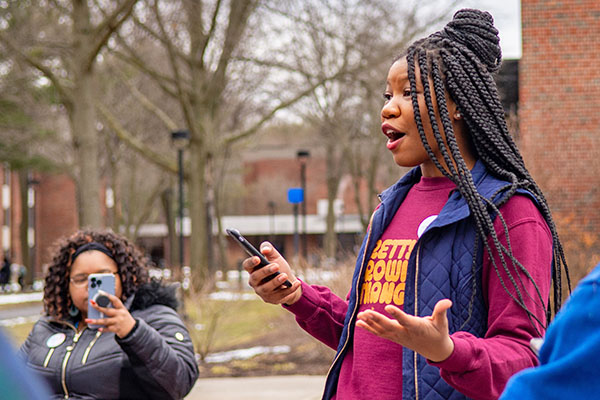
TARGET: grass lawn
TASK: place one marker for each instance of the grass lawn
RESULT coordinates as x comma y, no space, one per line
220,325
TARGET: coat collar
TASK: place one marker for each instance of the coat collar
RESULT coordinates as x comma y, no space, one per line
455,209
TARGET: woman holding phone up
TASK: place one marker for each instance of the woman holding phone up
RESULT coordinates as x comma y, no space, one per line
141,350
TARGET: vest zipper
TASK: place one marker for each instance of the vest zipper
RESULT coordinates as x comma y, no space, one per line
356,305
89,348
70,348
416,314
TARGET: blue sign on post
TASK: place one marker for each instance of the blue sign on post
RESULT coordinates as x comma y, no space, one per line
295,195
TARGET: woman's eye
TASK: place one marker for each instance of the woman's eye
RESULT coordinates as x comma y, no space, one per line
387,96
406,93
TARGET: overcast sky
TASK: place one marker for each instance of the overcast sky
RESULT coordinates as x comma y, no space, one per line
507,18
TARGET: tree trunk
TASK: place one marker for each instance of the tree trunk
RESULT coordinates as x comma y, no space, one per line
198,215
83,120
332,188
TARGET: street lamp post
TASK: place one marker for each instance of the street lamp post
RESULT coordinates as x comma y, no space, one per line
303,156
180,140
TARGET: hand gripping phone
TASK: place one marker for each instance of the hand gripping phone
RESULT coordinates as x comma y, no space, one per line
97,282
252,251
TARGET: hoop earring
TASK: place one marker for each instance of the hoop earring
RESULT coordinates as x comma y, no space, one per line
73,311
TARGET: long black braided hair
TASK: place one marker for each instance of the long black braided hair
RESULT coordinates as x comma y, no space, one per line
460,60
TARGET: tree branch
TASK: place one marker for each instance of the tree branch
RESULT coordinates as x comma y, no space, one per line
165,163
159,38
110,24
182,95
159,78
146,103
206,38
147,207
284,104
64,91
274,64
238,19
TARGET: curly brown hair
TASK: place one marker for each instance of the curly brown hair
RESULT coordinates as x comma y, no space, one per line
131,263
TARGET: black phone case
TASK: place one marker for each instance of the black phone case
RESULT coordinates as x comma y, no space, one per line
253,251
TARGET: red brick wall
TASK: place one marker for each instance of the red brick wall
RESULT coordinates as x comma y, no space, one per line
271,179
56,212
559,113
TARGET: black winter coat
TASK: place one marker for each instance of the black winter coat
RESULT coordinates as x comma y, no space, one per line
156,361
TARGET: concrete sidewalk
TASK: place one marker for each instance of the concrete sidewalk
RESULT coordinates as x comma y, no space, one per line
292,387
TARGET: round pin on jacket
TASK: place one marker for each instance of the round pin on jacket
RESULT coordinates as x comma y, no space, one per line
56,340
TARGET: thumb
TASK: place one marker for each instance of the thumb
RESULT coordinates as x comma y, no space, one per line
439,312
269,251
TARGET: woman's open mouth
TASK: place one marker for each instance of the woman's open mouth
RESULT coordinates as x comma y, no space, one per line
393,136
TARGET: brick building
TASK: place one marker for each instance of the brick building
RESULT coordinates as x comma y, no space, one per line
559,117
37,209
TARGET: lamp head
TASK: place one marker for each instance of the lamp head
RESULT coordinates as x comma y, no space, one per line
180,138
302,155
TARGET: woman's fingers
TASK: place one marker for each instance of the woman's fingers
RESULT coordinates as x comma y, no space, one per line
439,311
114,300
379,324
268,281
250,264
403,318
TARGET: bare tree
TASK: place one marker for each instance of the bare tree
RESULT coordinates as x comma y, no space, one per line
346,36
213,70
61,40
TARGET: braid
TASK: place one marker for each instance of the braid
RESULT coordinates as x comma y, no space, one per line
459,60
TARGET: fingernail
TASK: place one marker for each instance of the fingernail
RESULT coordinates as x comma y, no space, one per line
273,268
266,248
93,302
281,278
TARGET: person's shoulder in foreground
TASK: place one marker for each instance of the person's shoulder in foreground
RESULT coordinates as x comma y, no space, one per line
16,381
570,353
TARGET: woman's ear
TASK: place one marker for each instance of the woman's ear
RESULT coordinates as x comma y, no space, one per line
453,110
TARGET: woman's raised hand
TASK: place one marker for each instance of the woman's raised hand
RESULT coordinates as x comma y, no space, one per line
272,291
116,319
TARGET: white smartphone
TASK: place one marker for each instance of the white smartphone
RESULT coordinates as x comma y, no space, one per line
97,282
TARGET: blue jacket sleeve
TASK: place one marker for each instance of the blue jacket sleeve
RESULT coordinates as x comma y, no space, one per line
16,381
571,349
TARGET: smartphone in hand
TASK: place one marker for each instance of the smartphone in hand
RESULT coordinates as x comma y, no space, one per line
97,282
253,251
